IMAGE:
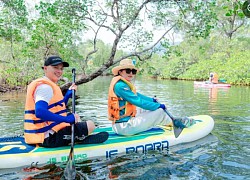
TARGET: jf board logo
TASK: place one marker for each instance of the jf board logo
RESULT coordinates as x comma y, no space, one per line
246,8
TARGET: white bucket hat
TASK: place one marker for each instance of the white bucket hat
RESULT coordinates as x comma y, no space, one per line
124,64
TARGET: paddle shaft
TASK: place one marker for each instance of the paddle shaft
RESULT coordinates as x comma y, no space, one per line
168,113
73,110
177,130
70,171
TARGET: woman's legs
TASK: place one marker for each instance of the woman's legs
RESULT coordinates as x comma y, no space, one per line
142,122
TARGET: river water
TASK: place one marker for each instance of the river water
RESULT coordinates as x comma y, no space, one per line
224,154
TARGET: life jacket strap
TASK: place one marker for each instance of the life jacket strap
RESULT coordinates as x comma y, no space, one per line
59,103
33,121
29,112
42,130
33,111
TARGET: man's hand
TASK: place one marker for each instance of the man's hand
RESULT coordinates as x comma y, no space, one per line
77,118
73,87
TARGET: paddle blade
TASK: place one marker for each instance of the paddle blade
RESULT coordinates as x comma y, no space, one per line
178,127
70,170
177,131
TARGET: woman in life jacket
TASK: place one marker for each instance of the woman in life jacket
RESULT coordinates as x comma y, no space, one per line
130,111
213,78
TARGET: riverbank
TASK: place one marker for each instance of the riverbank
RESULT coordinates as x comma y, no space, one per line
7,88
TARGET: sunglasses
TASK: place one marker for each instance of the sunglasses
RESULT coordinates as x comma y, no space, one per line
128,71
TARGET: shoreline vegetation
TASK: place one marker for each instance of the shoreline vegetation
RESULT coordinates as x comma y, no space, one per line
4,88
185,62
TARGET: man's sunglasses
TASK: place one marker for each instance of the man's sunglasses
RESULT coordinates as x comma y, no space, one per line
128,71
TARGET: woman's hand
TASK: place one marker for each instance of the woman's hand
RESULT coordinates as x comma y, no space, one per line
163,106
155,99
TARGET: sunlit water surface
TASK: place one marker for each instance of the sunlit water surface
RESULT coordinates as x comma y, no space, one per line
224,154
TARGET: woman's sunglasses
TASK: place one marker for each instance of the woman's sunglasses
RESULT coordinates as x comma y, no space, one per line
128,71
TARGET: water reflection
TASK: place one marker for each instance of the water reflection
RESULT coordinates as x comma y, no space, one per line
210,95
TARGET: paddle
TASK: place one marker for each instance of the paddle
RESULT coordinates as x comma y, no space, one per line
70,170
178,126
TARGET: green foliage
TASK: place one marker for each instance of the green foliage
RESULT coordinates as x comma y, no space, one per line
228,58
233,8
58,27
152,67
94,60
13,16
31,41
230,18
200,17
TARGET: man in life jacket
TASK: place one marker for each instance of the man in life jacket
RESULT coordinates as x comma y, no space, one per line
213,78
124,103
46,121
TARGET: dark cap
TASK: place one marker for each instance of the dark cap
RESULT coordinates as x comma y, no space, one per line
55,60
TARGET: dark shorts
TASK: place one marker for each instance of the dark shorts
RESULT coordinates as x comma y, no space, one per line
63,136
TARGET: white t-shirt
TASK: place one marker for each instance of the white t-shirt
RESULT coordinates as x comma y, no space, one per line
44,92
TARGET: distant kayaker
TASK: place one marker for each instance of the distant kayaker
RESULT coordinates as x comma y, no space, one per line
46,120
130,111
213,78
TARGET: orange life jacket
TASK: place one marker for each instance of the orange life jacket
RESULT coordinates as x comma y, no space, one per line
35,128
113,102
215,78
